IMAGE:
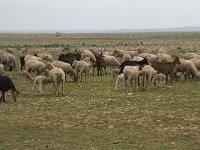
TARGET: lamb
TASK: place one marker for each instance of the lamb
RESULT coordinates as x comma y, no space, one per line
6,84
147,73
130,74
41,81
2,69
100,64
24,76
57,76
120,83
159,79
187,67
34,65
67,68
87,53
119,53
81,67
115,72
8,60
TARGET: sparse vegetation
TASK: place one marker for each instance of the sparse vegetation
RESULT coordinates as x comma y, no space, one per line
92,115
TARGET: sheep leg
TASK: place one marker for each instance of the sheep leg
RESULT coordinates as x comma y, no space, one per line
85,77
105,70
3,96
33,88
62,87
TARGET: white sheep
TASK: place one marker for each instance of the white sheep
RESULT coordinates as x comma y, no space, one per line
196,62
187,67
81,67
8,60
41,81
126,57
57,76
31,57
67,68
119,53
24,76
159,79
147,73
110,61
45,57
115,72
131,74
34,65
87,53
162,57
120,83
150,57
2,69
189,56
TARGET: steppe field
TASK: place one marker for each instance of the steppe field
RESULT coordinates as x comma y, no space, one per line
93,115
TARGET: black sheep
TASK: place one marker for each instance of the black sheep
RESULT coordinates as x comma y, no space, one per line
133,63
6,84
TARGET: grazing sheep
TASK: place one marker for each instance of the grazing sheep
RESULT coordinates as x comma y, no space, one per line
119,53
196,62
148,73
45,57
162,57
115,72
120,83
131,74
70,57
150,57
31,57
166,68
87,53
159,79
81,67
189,56
126,57
41,81
2,69
34,65
111,61
8,60
133,63
57,76
187,67
6,84
24,76
161,50
67,68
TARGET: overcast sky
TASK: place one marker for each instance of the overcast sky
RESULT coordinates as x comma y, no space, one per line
97,14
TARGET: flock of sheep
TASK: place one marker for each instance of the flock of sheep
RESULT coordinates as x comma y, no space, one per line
159,69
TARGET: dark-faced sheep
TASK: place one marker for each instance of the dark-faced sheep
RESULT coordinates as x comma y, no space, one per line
6,84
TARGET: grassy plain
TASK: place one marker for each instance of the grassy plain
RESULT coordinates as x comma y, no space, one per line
92,115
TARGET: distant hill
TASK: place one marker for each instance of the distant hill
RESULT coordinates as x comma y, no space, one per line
178,29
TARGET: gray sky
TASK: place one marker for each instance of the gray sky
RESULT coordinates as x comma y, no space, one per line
97,14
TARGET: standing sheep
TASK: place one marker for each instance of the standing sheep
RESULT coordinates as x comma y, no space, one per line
6,84
57,76
67,68
87,53
159,79
8,60
41,81
81,67
2,70
120,83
